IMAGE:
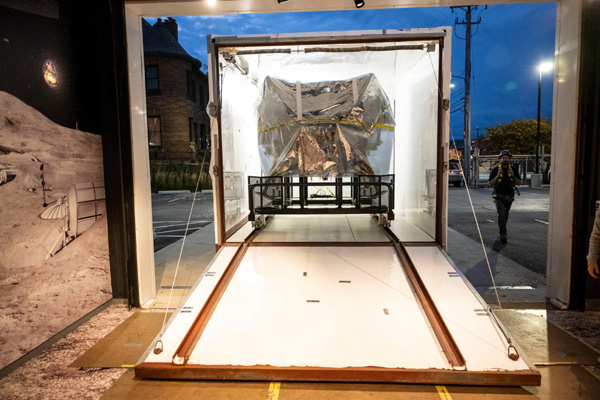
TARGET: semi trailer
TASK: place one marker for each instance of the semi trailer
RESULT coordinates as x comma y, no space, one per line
330,178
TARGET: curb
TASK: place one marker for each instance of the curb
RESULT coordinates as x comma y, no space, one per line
174,192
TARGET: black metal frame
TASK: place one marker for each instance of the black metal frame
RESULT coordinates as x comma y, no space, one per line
358,203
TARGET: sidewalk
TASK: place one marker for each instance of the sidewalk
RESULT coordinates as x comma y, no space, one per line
198,250
518,287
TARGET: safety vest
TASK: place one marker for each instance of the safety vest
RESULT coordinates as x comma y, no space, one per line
501,176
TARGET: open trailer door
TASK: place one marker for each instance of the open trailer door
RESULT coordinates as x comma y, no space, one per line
411,67
330,197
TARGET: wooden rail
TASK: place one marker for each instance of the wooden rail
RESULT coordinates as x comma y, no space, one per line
187,345
442,333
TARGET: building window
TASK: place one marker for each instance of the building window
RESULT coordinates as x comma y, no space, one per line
191,87
152,81
201,96
191,129
154,131
203,137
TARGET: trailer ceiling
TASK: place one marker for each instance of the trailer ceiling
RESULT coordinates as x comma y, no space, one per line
149,8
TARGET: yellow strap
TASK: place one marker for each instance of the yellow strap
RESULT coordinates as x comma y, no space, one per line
326,187
346,121
443,392
382,126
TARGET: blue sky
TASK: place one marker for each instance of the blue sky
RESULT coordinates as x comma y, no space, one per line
510,42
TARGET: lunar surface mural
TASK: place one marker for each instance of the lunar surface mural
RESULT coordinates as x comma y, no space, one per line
54,264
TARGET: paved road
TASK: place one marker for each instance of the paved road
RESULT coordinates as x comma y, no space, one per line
170,214
527,225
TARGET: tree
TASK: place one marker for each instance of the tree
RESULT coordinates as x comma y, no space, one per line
519,136
454,154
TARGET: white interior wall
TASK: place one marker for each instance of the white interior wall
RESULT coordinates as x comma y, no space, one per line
144,233
564,155
416,143
240,142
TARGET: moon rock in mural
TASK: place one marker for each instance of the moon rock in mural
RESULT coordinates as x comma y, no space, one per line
43,291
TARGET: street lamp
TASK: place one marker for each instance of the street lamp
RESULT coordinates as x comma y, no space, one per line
543,67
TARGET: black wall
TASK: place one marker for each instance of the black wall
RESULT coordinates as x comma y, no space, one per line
98,30
27,39
585,291
87,40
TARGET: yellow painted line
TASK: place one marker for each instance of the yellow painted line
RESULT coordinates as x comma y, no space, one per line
274,391
127,365
547,364
443,392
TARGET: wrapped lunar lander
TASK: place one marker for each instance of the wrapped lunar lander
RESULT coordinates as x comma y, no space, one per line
330,129
330,202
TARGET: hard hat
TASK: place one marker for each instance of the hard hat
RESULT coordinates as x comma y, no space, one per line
505,152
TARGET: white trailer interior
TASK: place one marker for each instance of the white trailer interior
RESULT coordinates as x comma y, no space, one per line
336,297
410,78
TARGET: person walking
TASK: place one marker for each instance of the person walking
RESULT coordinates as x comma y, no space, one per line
594,249
504,178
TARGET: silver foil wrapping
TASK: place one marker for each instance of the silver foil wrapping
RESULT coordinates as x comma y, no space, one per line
325,129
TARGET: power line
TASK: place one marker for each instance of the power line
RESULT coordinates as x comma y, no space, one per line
436,17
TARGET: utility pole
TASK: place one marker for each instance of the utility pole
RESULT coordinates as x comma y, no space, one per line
537,136
467,112
467,108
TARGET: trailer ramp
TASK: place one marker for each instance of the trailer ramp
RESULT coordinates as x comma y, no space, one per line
335,312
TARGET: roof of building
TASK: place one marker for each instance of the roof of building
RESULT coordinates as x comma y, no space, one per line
158,41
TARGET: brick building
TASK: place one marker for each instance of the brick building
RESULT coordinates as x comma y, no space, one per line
176,96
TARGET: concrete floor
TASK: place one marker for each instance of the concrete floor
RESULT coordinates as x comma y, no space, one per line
566,363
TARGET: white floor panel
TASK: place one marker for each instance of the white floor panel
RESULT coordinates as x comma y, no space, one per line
366,229
181,321
241,233
322,228
407,231
480,341
274,314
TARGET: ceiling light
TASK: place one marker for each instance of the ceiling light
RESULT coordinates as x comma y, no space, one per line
282,1
359,3
546,66
211,2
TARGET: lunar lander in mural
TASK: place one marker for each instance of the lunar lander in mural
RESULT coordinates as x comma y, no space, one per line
83,205
330,189
7,175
